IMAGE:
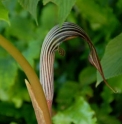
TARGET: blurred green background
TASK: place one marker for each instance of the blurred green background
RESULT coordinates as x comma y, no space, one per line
76,99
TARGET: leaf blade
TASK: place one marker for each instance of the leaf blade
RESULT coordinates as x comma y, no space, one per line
64,7
112,59
85,115
4,13
30,6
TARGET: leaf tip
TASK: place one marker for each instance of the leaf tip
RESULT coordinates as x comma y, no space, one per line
112,89
97,84
45,2
27,83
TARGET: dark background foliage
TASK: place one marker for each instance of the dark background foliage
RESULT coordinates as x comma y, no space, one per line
76,99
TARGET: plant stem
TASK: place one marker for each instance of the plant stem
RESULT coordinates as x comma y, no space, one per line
32,77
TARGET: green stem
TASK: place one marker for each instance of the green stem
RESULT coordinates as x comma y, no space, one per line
33,79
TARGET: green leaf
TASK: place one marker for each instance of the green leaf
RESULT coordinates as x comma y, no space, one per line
48,18
21,28
32,52
10,82
64,6
14,114
46,1
107,95
4,13
119,4
106,119
8,73
87,76
117,85
79,113
18,92
87,92
112,59
31,6
66,95
96,14
103,117
90,10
